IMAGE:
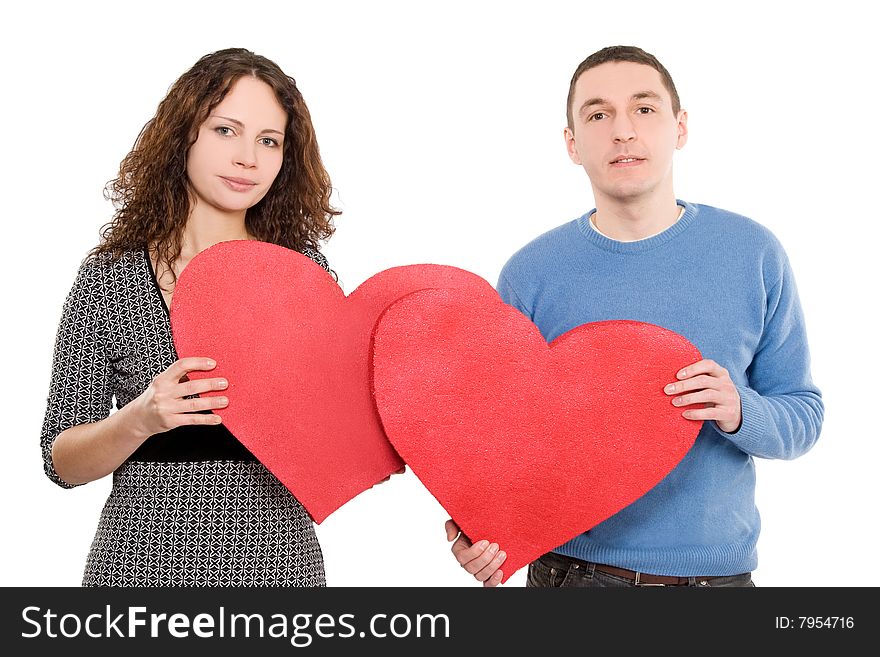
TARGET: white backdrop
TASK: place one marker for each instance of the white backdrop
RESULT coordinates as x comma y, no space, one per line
441,126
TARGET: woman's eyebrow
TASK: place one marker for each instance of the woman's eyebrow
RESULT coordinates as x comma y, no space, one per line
241,125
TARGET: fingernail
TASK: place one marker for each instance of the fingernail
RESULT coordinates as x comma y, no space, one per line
676,401
502,555
212,363
669,389
223,383
483,545
222,400
493,548
683,373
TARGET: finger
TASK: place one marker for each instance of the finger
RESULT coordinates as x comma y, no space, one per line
465,552
463,540
475,565
705,366
488,571
198,404
701,397
197,418
183,365
710,413
200,386
452,530
696,383
495,580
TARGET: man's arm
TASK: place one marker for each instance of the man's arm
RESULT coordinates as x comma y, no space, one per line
778,413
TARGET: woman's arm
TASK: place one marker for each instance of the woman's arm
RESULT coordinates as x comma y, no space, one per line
87,452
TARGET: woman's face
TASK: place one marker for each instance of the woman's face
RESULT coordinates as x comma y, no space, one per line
239,149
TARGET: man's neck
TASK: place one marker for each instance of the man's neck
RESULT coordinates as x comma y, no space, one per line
628,222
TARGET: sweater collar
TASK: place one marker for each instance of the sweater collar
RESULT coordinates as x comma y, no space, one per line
608,244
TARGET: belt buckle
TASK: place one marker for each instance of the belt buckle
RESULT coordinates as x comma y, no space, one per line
638,581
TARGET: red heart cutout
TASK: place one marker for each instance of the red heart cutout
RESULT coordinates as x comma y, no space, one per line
295,351
523,443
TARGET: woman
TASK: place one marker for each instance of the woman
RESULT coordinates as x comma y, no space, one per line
230,154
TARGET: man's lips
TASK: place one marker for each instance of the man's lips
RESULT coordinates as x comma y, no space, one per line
626,161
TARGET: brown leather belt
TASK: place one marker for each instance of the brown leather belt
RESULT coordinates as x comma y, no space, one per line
644,579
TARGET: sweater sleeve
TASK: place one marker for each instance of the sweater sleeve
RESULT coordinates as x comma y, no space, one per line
782,410
80,385
509,296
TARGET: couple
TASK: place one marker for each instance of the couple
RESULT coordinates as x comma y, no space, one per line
231,154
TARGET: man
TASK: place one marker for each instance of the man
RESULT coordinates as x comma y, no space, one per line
719,279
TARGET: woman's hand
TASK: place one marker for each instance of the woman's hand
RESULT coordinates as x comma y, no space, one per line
382,481
162,406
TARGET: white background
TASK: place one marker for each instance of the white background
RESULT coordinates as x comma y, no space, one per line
441,127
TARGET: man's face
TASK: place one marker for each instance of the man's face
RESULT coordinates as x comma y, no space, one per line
625,132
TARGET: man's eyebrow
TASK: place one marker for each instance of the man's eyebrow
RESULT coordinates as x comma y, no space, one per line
241,125
589,102
653,95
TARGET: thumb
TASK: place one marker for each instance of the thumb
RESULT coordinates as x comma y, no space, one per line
452,530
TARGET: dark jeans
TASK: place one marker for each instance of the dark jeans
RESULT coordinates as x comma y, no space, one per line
557,570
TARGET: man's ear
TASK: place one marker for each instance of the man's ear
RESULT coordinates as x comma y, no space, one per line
682,129
571,146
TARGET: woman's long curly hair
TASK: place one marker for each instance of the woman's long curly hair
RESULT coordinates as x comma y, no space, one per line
152,193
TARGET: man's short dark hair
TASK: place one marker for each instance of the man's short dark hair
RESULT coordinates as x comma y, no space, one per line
621,54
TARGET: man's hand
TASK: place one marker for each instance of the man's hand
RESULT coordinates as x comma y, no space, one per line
481,559
707,383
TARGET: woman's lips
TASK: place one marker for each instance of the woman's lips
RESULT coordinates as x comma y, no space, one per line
238,184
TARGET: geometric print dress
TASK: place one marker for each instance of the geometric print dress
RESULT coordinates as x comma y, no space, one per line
192,506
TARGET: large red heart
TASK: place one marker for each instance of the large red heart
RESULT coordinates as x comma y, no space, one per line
524,443
296,353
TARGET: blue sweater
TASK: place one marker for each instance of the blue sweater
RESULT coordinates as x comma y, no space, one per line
724,282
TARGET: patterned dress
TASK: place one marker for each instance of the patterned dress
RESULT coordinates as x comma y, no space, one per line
192,506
